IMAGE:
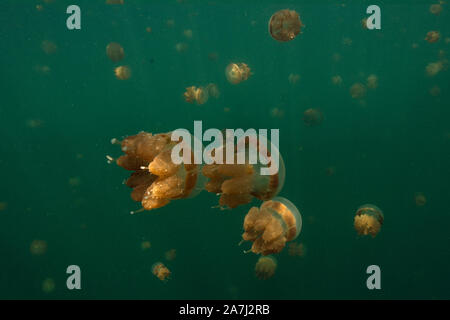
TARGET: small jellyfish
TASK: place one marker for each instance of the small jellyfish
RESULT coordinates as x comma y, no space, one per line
122,72
38,247
34,123
237,72
170,255
145,245
433,68
48,285
433,36
42,69
296,249
285,25
312,117
181,47
198,95
436,9
435,91
114,1
276,222
358,91
293,78
187,33
420,199
74,181
364,23
48,47
336,57
368,220
213,90
3,205
170,23
265,267
115,52
277,113
161,271
347,41
39,7
372,81
336,80
330,171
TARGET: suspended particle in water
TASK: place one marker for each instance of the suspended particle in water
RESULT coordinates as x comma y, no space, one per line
330,171
148,30
181,47
265,267
160,271
74,181
38,247
39,7
368,220
34,123
122,72
170,23
420,199
115,51
285,25
42,69
3,205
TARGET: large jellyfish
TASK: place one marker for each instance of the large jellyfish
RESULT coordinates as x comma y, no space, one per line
276,222
285,25
368,220
265,267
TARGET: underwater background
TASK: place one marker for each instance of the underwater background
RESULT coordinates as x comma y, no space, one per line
61,107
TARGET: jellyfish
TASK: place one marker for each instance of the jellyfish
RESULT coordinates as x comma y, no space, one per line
433,36
114,1
145,245
336,80
285,25
155,179
181,47
364,23
122,72
3,205
170,23
48,47
312,117
213,56
435,91
238,183
115,52
48,285
38,247
372,81
296,249
293,78
170,255
276,222
420,199
148,30
277,112
42,69
237,72
74,181
433,68
368,220
39,7
187,33
330,171
213,90
265,267
198,95
436,9
358,91
161,271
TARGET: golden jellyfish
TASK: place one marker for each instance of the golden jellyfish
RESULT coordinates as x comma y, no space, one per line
3,205
358,91
115,52
293,78
155,179
435,91
170,23
213,90
148,30
368,220
433,36
48,285
420,199
213,56
239,182
181,47
42,69
187,33
122,72
198,95
436,9
312,117
145,245
265,267
276,222
48,47
433,68
237,72
364,23
277,113
39,7
285,25
170,255
372,81
296,249
38,247
161,271
34,123
336,80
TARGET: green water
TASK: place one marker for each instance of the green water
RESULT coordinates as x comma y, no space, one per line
56,128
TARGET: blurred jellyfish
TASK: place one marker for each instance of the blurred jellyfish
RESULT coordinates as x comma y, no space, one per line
3,205
198,95
330,171
170,23
265,267
347,41
48,285
277,113
336,57
237,72
237,184
170,255
420,199
293,78
42,69
358,91
447,40
156,180
433,68
285,25
38,247
48,47
74,181
148,30
145,245
336,80
364,23
296,249
436,9
161,271
187,33
368,220
312,117
181,47
39,7
415,45
272,225
114,1
372,81
213,90
115,52
435,91
433,36
122,72
213,56
34,123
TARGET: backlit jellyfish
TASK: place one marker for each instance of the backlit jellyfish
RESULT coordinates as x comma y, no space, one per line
237,72
372,81
155,179
358,91
276,222
115,52
198,95
48,285
368,220
433,36
213,90
265,267
435,91
170,255
238,183
38,247
161,271
122,72
420,199
293,78
285,25
433,68
336,80
48,47
296,249
436,9
312,117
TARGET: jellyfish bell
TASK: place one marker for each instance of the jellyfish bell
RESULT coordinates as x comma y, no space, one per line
312,117
198,95
265,267
276,222
296,249
161,271
372,81
358,91
336,80
420,199
213,90
49,47
285,25
433,36
115,51
122,72
436,9
368,220
181,46
293,78
237,72
433,68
